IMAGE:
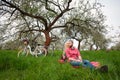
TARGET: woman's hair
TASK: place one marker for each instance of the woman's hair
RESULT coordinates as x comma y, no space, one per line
66,45
70,40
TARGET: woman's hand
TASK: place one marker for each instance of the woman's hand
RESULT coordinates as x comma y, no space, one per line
80,58
77,60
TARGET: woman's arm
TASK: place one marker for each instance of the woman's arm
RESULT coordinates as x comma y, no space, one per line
79,55
80,58
77,60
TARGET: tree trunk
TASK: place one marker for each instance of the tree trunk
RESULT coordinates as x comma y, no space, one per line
91,47
47,39
96,48
79,46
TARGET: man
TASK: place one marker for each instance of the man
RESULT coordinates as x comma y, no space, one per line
27,49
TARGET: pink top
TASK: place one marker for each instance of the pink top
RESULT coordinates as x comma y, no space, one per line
72,53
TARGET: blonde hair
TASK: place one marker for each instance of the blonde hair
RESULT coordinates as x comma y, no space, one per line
66,45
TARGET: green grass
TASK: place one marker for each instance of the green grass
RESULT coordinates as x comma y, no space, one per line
48,68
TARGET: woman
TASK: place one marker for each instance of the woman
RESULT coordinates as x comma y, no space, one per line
74,57
70,53
73,53
63,58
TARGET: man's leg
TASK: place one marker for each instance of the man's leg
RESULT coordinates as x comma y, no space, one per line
27,52
35,51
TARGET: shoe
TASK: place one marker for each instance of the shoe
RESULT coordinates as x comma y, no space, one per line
104,68
75,66
61,61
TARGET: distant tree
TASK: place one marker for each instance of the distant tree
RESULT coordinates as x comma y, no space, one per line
84,22
99,40
117,45
11,45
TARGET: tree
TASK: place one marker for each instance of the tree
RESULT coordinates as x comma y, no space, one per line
116,42
99,40
36,16
86,20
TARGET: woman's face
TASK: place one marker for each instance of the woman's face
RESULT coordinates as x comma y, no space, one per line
70,43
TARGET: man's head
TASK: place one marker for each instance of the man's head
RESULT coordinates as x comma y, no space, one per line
26,42
39,44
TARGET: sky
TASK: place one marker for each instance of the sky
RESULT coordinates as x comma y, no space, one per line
111,10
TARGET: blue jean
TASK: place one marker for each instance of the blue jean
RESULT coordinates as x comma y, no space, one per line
75,63
85,63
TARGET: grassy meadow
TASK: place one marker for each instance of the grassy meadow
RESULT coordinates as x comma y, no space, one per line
48,68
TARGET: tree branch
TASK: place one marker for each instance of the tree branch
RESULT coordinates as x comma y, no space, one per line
58,16
25,31
26,22
58,27
49,9
25,13
56,5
